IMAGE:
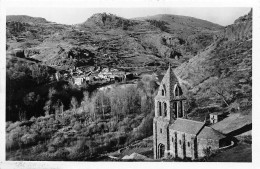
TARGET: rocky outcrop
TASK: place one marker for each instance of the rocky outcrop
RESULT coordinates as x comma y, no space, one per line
109,21
31,52
78,53
241,29
68,57
18,53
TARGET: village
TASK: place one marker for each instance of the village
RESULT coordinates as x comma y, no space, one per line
92,75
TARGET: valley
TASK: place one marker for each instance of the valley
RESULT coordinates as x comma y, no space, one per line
86,91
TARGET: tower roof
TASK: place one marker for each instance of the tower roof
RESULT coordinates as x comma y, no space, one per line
168,82
169,76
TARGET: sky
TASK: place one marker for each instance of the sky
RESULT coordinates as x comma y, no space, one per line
74,15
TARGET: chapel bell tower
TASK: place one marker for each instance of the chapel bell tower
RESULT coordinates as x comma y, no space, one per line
169,105
169,102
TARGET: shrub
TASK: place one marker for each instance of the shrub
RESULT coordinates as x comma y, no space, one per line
39,148
29,139
61,154
77,126
51,149
112,125
145,129
159,24
33,119
65,121
13,139
13,126
207,152
58,141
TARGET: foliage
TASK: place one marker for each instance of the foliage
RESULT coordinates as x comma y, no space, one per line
160,24
85,131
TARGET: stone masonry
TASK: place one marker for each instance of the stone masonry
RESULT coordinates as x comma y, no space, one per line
175,135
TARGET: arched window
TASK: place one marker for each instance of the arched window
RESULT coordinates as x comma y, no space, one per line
177,90
165,109
163,90
160,108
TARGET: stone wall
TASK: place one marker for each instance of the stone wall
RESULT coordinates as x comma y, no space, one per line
185,144
161,131
154,138
206,143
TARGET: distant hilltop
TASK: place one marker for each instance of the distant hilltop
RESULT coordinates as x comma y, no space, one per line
25,19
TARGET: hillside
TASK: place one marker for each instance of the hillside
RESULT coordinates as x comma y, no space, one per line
113,40
220,77
183,25
25,19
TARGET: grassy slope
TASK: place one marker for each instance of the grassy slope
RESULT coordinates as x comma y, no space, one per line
240,153
225,67
233,122
177,22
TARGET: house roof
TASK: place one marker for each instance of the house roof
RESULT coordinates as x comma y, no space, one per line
210,133
216,113
187,126
233,122
182,97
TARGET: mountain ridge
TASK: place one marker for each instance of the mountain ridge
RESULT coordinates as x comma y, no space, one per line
132,42
25,19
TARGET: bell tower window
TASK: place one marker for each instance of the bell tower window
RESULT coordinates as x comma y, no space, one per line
163,92
165,109
177,91
160,108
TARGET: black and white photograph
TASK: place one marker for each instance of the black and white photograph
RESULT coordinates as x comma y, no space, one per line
127,84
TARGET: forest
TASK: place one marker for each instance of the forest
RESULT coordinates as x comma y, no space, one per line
60,121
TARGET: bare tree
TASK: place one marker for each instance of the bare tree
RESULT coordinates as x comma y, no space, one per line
74,104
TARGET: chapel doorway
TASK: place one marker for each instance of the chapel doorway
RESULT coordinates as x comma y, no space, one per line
161,150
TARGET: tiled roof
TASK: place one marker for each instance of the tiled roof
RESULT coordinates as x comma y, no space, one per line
187,126
196,128
210,133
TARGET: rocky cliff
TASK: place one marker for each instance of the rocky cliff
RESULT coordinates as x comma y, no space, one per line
241,29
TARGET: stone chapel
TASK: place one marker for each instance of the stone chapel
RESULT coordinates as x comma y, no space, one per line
173,133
